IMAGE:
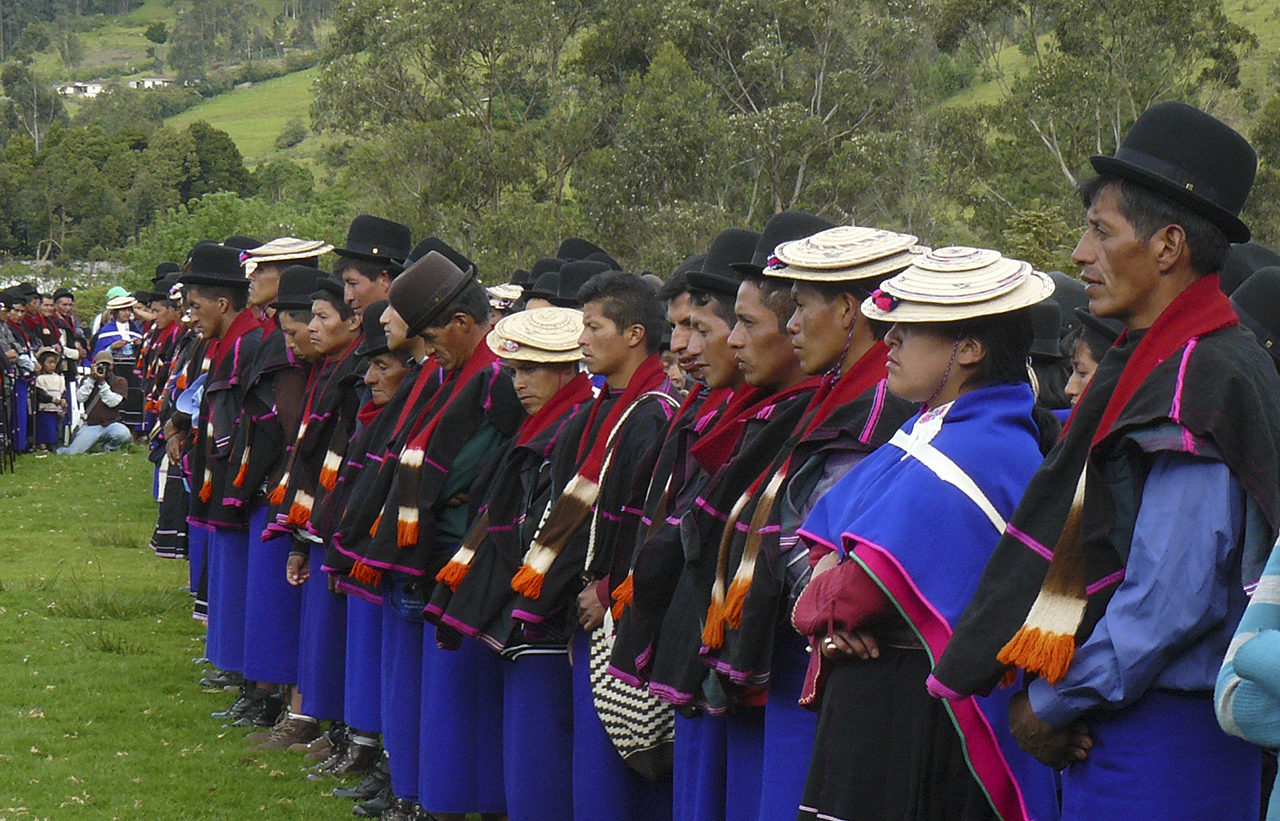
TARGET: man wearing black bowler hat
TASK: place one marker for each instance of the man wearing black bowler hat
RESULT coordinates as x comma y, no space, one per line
373,255
1125,569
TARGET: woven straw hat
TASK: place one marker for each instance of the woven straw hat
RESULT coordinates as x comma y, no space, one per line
539,335
284,249
843,254
956,283
502,297
119,302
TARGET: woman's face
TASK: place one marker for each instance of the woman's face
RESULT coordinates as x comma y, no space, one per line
1082,367
920,362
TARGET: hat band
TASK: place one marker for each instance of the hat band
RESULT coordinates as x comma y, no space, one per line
1173,173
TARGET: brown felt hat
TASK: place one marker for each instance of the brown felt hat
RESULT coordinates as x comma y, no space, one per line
426,288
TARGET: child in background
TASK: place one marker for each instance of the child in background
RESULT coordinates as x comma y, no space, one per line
51,394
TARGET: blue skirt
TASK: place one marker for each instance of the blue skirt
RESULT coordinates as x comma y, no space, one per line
322,644
699,780
362,703
228,556
47,424
401,698
744,736
604,787
537,732
460,764
197,567
789,730
21,414
1163,758
273,608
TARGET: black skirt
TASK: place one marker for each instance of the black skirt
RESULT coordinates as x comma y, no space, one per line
169,539
886,750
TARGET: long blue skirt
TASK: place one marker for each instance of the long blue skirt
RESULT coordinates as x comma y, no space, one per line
537,732
47,426
228,570
604,787
272,608
460,763
197,567
744,734
1163,758
322,644
789,730
362,703
21,416
401,699
699,778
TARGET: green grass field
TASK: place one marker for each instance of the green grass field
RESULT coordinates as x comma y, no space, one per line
255,116
101,716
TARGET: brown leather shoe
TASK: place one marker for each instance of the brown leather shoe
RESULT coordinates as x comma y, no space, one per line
294,729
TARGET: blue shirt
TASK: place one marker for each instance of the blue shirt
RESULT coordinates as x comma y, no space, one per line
1172,617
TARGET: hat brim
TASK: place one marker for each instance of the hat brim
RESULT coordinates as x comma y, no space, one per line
1269,342
425,321
214,281
1231,225
394,265
875,270
367,351
1097,325
714,283
1037,288
528,353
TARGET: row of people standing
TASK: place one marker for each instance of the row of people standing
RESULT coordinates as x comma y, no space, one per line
800,589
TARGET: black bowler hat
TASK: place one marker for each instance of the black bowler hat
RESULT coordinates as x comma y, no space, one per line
441,247
375,336
328,288
1241,261
1257,302
572,277
544,265
8,297
520,277
718,274
601,256
1046,322
1070,295
28,290
215,265
297,284
693,263
547,287
375,239
164,269
426,288
1192,158
241,243
61,292
782,227
574,248
1108,329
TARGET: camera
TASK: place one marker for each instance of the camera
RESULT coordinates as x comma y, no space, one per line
100,368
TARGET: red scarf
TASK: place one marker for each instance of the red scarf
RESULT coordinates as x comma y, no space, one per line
574,392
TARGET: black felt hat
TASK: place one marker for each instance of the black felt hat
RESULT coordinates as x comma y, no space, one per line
520,277
574,248
544,265
1257,302
164,269
375,239
241,243
1046,322
1108,329
215,265
1070,295
1191,157
718,273
547,287
572,277
601,256
441,247
1241,261
375,335
328,287
8,297
61,292
297,284
27,289
426,288
782,227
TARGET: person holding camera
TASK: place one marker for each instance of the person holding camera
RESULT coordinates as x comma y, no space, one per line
100,394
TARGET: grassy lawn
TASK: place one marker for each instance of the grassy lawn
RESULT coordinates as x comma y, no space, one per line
255,116
101,716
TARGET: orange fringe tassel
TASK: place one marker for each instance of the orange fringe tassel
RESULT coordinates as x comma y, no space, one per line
328,478
452,574
406,533
1048,654
299,514
623,596
276,497
240,475
527,582
362,572
733,601
206,491
373,528
1010,678
713,630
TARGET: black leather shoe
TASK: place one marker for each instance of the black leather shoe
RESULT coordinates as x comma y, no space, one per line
263,711
224,678
235,711
377,779
376,806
